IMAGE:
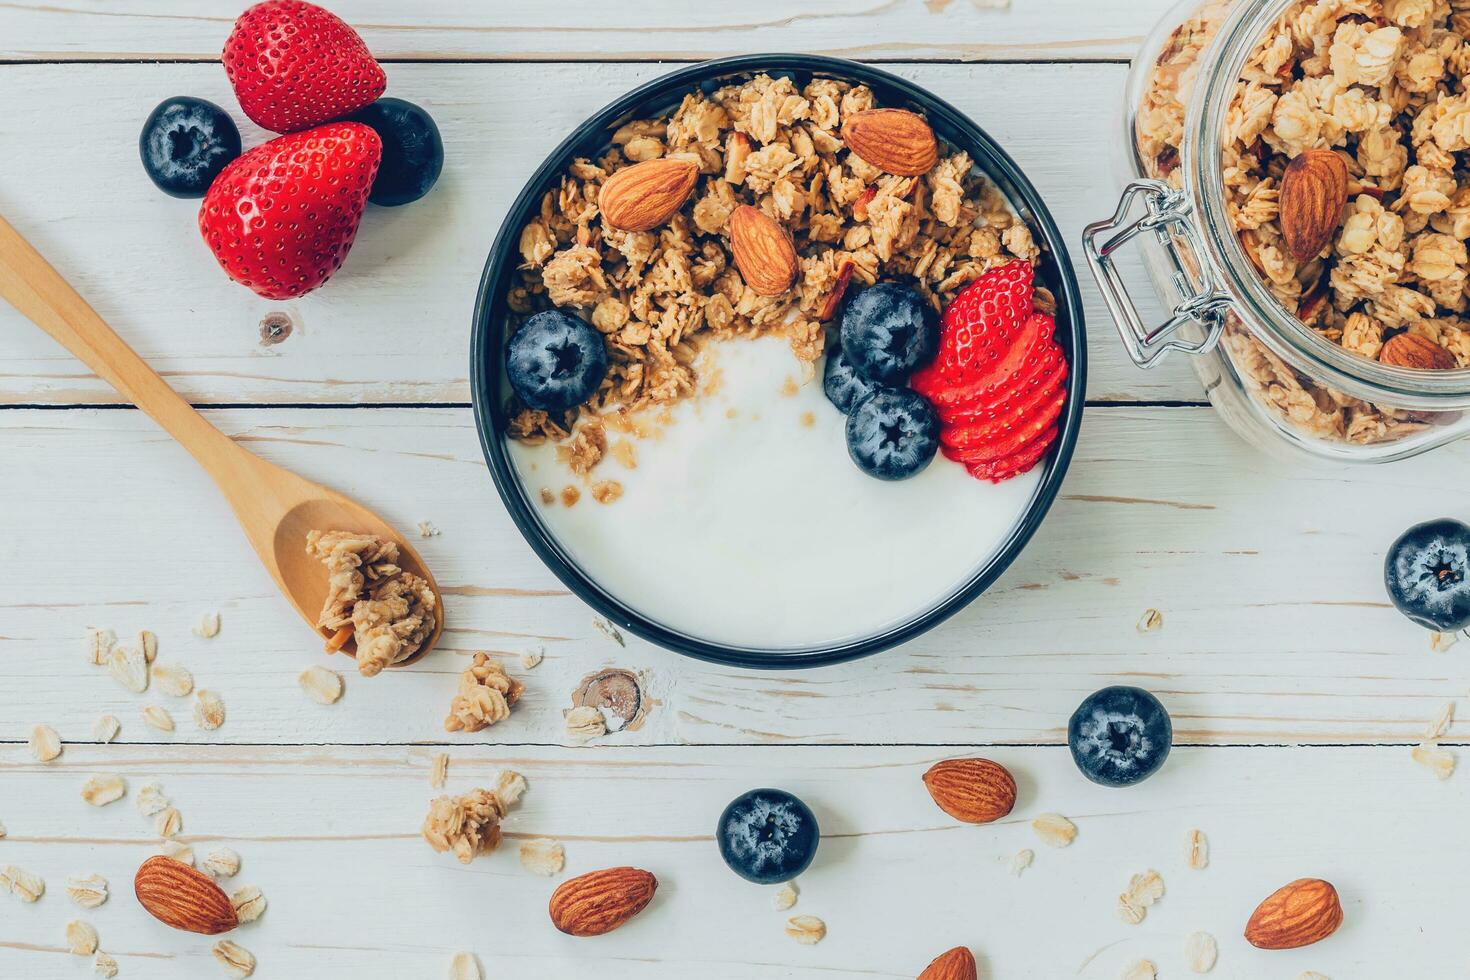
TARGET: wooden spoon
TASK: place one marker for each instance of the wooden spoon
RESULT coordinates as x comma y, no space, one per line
275,507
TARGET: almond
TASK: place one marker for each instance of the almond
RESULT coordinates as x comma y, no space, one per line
957,964
1299,914
600,901
647,194
1314,190
763,251
972,790
1411,350
178,896
893,140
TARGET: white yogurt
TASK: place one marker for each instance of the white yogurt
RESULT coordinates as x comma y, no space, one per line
744,522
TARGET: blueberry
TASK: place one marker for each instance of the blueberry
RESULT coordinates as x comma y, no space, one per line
767,836
185,143
1120,736
555,361
413,153
892,433
889,331
844,386
1427,572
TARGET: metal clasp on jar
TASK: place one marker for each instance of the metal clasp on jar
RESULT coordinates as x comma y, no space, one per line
1166,214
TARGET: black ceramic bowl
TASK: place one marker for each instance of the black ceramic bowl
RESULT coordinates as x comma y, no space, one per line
487,376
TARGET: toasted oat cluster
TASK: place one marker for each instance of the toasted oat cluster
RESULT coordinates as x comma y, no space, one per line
1378,82
469,825
387,611
657,295
486,695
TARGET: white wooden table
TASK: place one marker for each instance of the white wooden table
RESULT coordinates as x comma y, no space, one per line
1296,691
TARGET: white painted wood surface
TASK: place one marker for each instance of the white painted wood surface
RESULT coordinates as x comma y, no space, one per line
1268,576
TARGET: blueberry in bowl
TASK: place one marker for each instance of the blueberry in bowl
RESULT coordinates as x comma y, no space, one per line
413,152
1427,573
555,361
841,383
185,143
892,433
888,332
1120,736
767,836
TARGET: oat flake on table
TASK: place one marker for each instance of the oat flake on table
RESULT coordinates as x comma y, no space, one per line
238,961
532,658
150,800
104,965
584,723
100,642
1437,760
45,743
129,667
87,891
785,897
105,728
1054,830
104,789
182,853
609,630
1142,970
168,823
1440,642
173,680
148,643
465,966
1197,850
320,684
808,930
24,885
157,717
222,862
208,626
1201,952
439,771
1150,621
428,530
209,710
543,856
81,938
1441,723
249,903
1022,860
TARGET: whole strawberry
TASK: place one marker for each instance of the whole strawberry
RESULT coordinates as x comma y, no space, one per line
281,218
294,65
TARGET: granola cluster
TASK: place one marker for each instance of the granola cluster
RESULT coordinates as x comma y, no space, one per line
387,611
470,825
657,295
486,695
1379,83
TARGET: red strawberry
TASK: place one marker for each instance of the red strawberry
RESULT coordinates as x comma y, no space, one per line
983,447
1029,345
281,218
294,65
1048,368
1008,416
979,326
1001,470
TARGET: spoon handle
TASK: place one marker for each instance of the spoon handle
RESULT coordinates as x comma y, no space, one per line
32,286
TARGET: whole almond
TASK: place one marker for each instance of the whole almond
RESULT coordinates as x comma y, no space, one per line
647,194
972,790
1314,190
957,964
599,901
1299,914
763,251
178,896
893,140
1411,350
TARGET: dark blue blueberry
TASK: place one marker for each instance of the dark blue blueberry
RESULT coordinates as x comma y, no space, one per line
413,153
888,332
767,836
185,143
555,361
892,433
1428,575
1120,736
844,386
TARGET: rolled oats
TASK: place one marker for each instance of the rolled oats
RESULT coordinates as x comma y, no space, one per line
1441,723
105,728
1142,970
1054,830
806,929
168,823
1022,860
584,723
158,718
542,856
1197,850
208,626
465,966
87,891
209,710
99,644
23,884
320,684
531,659
428,530
129,667
785,897
390,613
81,938
1142,892
180,852
173,680
609,630
150,800
249,903
1150,621
1437,760
236,960
1200,952
45,743
486,695
1440,642
439,771
102,790
148,643
222,862
104,966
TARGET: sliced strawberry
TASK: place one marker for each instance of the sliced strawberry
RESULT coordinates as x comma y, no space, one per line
976,445
1000,470
1041,372
1036,334
999,422
979,326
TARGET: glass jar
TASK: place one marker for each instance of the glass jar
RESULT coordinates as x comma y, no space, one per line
1282,385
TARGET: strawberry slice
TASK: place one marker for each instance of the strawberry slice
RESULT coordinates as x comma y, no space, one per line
1049,367
979,449
1000,421
1000,470
979,326
1036,334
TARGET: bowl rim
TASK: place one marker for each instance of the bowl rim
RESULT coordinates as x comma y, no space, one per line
488,410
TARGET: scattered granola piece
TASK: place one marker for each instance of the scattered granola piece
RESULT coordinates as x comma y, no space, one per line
320,684
150,800
1196,850
81,938
208,626
182,853
45,743
609,630
570,495
469,825
129,667
222,862
1150,621
24,885
1054,829
531,659
1441,724
1142,970
547,497
102,790
1022,861
249,903
785,897
392,612
465,966
237,961
542,856
99,644
168,823
1437,760
104,966
806,929
428,530
89,891
209,710
606,491
1440,642
486,694
105,728
148,643
585,723
159,718
439,771
174,681
1200,952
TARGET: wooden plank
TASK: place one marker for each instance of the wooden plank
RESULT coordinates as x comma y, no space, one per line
1268,576
593,30
330,836
409,285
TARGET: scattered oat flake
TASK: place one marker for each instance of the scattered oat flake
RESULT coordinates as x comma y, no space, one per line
1313,975
88,892
806,929
1130,912
81,938
129,667
465,966
173,680
1440,642
609,630
159,718
150,800
542,856
237,960
222,862
428,530
585,723
249,903
24,885
105,789
785,897
320,684
1442,721
148,643
606,491
1145,889
182,853
510,786
532,658
99,644
1197,850
168,823
1150,621
1142,970
105,728
439,771
45,743
1022,860
1439,761
209,710
1200,952
208,626
1054,829
104,966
